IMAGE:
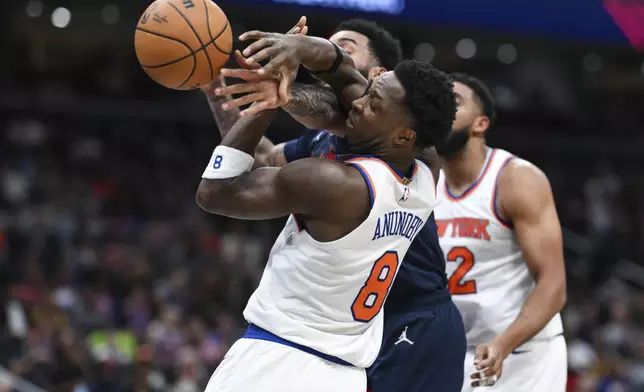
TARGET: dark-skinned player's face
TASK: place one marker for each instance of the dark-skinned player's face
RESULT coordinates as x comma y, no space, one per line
357,45
379,120
469,119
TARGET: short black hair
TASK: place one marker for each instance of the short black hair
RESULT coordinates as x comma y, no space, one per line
430,100
482,94
384,47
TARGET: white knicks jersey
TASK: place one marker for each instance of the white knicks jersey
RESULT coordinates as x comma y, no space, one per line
329,296
488,276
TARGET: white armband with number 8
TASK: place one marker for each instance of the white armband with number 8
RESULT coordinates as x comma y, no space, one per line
227,162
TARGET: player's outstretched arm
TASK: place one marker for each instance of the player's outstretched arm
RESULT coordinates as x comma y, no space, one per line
230,187
328,62
266,153
225,119
307,186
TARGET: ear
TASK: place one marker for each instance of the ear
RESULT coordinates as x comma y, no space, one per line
406,137
480,125
375,72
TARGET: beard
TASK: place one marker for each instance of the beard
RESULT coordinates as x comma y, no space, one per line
454,144
366,147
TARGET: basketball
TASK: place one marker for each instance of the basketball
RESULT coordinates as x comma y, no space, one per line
182,44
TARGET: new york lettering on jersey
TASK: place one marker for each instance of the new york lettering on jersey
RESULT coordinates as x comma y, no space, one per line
295,299
487,274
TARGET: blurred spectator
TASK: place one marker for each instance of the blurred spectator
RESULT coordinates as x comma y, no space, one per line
112,280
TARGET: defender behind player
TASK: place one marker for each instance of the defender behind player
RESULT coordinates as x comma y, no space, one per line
420,318
315,318
500,232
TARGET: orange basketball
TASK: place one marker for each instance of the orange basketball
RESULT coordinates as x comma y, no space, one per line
182,44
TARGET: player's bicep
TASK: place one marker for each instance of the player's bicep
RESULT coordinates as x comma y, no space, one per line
252,195
528,202
301,187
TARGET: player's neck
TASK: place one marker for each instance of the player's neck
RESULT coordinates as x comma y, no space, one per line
401,164
463,169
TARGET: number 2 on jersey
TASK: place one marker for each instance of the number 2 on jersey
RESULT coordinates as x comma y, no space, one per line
372,295
456,283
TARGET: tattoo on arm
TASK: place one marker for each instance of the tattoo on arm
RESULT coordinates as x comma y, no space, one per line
312,101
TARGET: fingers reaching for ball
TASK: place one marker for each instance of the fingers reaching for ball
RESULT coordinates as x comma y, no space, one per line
262,92
300,27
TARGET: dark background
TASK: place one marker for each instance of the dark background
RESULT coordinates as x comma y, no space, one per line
111,278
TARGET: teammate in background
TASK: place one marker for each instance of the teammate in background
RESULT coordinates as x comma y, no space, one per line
420,318
316,319
500,232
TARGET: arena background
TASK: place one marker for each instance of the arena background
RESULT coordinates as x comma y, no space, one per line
112,279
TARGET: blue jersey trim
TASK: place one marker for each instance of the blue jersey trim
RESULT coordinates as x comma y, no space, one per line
255,332
290,150
400,174
367,179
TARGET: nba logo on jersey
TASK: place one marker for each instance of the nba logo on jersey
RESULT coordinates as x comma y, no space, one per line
405,195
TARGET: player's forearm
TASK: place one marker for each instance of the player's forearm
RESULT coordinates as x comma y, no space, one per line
225,119
244,136
545,301
247,132
313,106
319,56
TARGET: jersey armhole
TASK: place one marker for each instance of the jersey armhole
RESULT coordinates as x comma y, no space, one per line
368,180
494,207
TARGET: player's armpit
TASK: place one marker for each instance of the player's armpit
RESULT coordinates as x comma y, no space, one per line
268,154
311,187
525,198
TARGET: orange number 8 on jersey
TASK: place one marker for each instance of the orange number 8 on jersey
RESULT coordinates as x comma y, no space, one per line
372,295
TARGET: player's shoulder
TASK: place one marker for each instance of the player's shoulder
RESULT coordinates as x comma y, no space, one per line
518,172
521,183
318,178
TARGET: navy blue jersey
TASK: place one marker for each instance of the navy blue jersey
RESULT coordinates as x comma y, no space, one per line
422,274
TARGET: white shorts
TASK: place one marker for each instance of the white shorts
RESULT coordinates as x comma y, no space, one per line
538,366
259,365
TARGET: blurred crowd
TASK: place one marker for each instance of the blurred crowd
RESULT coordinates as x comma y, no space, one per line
113,280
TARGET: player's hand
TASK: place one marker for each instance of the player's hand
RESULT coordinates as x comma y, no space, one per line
300,27
489,363
220,81
282,52
260,90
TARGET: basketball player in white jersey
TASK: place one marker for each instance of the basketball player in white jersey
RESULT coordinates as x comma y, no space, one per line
315,319
501,236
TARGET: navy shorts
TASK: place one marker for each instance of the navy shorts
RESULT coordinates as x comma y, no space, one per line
422,351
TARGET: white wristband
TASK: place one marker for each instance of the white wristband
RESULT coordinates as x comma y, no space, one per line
227,162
